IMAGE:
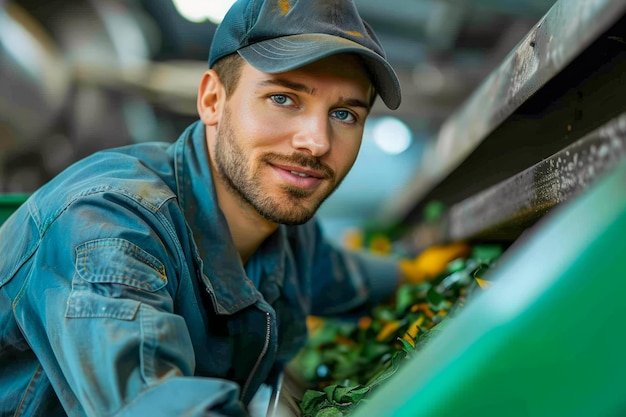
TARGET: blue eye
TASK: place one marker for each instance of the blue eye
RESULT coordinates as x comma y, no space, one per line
280,99
344,115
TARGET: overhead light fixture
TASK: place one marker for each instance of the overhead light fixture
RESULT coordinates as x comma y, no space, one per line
392,135
198,11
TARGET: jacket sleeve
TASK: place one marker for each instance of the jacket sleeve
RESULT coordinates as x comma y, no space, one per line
340,280
98,312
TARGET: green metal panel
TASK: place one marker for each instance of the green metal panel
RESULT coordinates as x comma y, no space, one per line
546,338
9,203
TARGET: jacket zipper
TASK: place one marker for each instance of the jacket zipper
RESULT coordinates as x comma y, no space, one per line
261,355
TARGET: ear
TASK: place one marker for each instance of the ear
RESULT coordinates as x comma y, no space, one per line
211,95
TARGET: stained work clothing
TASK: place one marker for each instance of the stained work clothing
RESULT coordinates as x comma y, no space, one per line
122,294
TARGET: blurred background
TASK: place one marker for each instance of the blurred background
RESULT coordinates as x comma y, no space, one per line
77,76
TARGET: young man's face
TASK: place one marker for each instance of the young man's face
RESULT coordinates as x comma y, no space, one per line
286,141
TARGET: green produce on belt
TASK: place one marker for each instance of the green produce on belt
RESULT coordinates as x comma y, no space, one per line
345,360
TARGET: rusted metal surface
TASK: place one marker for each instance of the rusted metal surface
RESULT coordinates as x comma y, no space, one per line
555,41
568,28
503,211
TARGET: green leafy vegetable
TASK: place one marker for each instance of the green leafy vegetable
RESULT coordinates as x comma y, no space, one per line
344,361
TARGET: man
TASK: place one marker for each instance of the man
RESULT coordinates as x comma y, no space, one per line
174,279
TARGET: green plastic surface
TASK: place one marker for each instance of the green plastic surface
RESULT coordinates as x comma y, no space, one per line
9,203
546,339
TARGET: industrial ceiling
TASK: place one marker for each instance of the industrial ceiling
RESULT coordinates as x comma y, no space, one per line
81,75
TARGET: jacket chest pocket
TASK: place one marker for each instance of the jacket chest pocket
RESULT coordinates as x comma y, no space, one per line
112,277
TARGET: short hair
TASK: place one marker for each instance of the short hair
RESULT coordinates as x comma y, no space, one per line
229,71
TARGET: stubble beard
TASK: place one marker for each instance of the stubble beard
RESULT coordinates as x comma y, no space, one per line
294,207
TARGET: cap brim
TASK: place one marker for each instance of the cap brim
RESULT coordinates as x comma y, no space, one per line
294,51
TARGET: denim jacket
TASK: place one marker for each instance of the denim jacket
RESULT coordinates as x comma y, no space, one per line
122,294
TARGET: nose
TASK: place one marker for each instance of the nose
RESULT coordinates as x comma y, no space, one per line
313,136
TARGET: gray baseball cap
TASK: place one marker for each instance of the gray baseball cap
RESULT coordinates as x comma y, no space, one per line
281,35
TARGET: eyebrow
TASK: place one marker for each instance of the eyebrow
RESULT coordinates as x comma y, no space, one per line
353,102
288,84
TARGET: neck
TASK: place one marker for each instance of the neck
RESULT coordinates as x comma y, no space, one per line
248,228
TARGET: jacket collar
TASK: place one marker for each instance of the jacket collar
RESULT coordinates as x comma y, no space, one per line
222,271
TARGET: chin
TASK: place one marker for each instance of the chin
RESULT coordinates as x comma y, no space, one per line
291,216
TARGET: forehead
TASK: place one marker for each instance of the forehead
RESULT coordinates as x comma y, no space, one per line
345,69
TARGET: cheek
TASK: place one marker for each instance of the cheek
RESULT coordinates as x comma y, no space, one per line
346,154
259,128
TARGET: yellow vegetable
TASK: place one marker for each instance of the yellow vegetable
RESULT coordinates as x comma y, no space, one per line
423,307
411,332
432,262
482,283
314,325
380,244
353,239
388,329
364,322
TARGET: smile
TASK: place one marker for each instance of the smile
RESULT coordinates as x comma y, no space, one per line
299,177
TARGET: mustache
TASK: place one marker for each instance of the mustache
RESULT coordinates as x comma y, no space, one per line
302,159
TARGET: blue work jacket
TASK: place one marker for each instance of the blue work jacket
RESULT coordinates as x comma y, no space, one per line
122,294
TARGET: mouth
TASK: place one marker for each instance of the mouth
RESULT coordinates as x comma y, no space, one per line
300,177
